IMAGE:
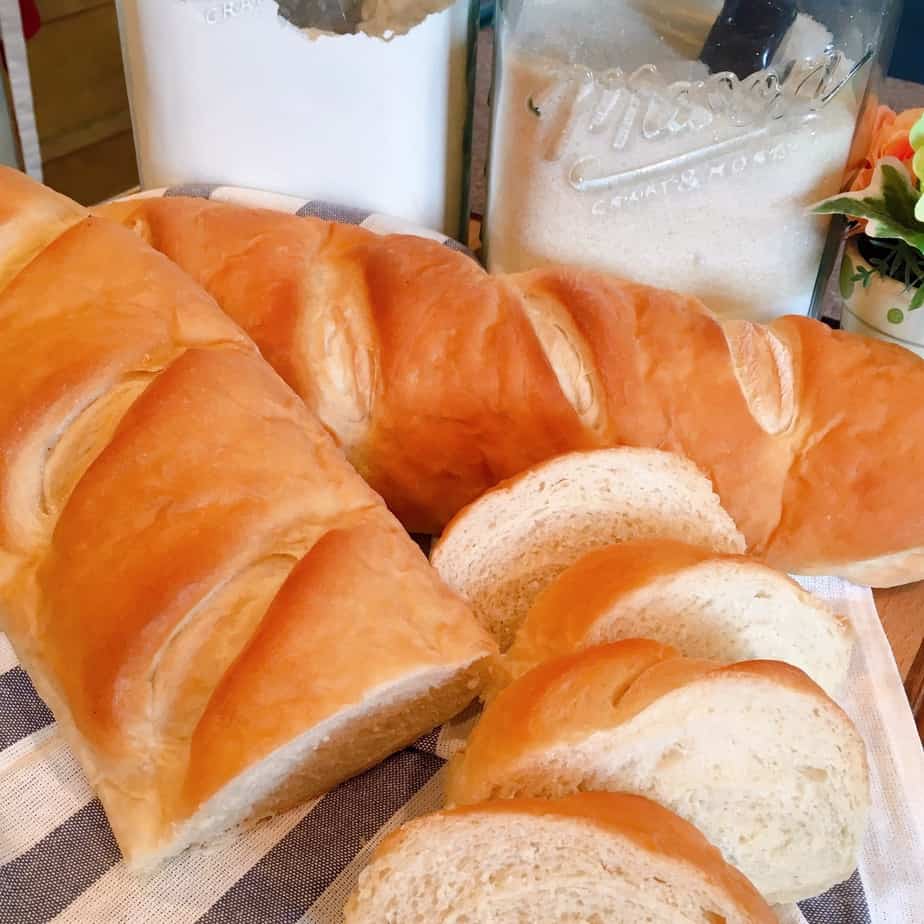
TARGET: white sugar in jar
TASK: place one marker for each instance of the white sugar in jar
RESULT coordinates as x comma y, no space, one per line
231,93
623,140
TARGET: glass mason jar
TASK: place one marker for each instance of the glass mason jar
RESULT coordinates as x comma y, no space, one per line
231,92
679,143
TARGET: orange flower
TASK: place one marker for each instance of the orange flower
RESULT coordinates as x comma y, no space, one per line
872,120
889,139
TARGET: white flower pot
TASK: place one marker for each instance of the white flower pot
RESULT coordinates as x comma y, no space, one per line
880,309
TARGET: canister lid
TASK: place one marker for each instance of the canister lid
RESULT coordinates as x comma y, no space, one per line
746,35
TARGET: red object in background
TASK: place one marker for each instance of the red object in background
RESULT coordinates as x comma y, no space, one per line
30,17
30,23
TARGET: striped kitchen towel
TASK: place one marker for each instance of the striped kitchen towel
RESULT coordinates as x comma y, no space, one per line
58,858
292,205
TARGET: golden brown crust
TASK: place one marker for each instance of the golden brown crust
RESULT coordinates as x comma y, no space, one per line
452,350
565,612
562,700
319,627
649,826
847,497
27,226
570,698
669,383
175,526
169,510
446,381
658,681
137,334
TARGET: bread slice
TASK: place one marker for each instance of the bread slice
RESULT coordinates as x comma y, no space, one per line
721,607
754,754
595,857
503,549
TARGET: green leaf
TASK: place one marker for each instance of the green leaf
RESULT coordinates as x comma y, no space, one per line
916,135
891,205
895,315
918,299
846,280
917,164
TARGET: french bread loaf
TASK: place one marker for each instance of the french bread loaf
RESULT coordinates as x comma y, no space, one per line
222,616
503,549
592,857
722,608
754,754
439,381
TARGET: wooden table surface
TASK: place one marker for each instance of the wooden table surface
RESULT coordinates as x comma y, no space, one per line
902,612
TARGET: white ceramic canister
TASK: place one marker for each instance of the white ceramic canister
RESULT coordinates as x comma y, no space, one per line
232,93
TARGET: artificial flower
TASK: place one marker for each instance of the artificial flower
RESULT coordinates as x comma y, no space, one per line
890,138
916,140
886,203
873,119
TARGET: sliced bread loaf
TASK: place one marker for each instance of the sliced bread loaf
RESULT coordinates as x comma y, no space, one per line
754,754
502,550
592,857
724,608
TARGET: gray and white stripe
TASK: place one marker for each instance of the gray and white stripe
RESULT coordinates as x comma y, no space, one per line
59,857
22,712
312,208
